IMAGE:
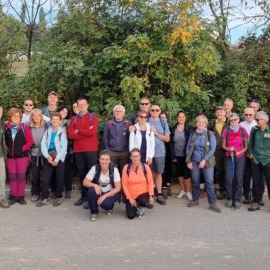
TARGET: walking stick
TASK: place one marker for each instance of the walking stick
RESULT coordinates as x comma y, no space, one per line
233,156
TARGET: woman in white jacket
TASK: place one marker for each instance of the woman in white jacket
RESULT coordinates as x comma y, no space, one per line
143,138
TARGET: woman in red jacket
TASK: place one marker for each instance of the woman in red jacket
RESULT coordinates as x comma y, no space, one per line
19,141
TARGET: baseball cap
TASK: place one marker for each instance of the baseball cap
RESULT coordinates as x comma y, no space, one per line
53,93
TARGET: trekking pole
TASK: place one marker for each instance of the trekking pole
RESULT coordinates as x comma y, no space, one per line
233,156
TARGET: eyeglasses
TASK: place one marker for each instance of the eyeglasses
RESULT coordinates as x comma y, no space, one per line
155,110
145,117
135,156
248,114
144,103
16,116
26,104
233,120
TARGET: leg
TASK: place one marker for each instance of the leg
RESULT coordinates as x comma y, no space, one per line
123,160
143,200
195,178
68,173
108,203
228,177
266,172
247,179
258,181
11,170
130,210
239,175
208,174
46,178
92,200
60,174
2,179
35,169
22,165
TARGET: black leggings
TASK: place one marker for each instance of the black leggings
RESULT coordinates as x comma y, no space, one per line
142,200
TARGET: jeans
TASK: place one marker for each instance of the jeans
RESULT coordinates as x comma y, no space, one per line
36,168
220,169
119,159
68,173
142,200
258,171
2,179
208,174
85,161
107,204
247,179
234,180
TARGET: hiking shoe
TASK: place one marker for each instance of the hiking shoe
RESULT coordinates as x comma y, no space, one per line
189,196
12,200
109,212
193,203
261,203
68,195
181,194
164,193
57,202
21,200
161,200
150,206
81,201
214,208
254,207
246,201
93,217
4,203
42,203
229,203
35,198
237,205
141,212
85,205
222,195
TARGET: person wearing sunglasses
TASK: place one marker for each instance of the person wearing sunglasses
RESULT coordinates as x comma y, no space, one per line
143,138
28,106
248,124
144,105
235,143
161,131
259,149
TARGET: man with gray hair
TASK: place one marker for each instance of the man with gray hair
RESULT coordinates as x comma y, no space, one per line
228,105
259,149
116,137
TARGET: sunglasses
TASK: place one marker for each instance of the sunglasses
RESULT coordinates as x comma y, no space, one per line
144,103
26,104
248,114
155,110
145,117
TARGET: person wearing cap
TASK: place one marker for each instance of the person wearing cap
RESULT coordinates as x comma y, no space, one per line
52,104
228,105
28,106
219,125
259,149
248,124
144,106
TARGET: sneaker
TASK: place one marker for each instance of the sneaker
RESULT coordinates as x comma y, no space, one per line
237,205
4,203
42,203
189,196
35,198
141,212
253,207
93,217
161,200
193,203
214,208
85,205
21,200
57,202
12,199
181,194
68,195
246,201
164,193
81,201
229,203
109,212
261,203
222,195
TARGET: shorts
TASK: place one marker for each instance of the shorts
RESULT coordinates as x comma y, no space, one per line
181,168
158,165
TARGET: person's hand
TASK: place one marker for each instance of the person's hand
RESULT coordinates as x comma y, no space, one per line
190,166
151,200
174,160
50,159
153,129
101,199
54,163
133,202
202,164
91,127
97,190
132,129
149,161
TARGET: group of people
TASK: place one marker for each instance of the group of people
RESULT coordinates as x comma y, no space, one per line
138,152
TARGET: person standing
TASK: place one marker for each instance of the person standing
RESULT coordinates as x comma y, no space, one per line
18,141
83,131
259,150
254,104
228,105
3,153
116,138
161,131
52,104
143,106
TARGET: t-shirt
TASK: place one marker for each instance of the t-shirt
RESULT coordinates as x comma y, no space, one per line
179,143
104,178
235,140
159,144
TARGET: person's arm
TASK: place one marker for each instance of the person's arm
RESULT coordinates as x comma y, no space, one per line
28,138
213,143
88,132
165,137
106,136
125,182
73,131
61,153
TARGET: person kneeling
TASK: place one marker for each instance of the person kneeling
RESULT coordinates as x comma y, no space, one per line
137,182
104,183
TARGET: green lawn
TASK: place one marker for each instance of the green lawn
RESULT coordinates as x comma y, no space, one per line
20,67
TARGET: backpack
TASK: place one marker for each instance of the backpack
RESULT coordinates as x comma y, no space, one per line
76,118
126,122
143,167
242,135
